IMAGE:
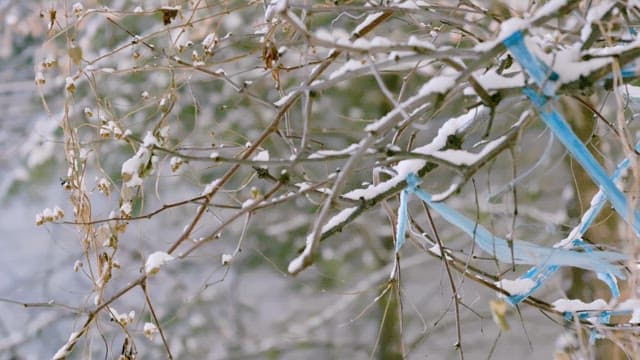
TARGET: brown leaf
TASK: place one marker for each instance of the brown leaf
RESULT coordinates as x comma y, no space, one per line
168,14
75,53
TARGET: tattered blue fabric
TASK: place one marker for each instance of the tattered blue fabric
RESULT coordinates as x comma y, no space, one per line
537,69
544,78
403,219
540,274
518,252
546,260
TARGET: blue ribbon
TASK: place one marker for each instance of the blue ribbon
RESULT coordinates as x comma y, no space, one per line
540,74
546,260
539,71
518,252
540,275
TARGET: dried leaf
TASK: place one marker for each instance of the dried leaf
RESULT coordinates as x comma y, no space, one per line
168,14
75,53
498,312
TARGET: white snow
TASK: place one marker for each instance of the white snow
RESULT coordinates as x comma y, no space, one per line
336,35
40,79
175,163
130,170
595,13
325,153
155,261
210,187
404,167
635,316
132,167
548,8
70,84
566,305
613,50
248,203
123,319
339,218
262,156
491,80
466,158
414,41
435,249
347,67
366,44
297,264
568,65
438,85
407,4
49,215
632,91
209,40
283,100
367,21
632,305
77,8
292,17
516,5
226,259
514,24
516,287
507,28
65,350
149,140
126,209
274,8
149,329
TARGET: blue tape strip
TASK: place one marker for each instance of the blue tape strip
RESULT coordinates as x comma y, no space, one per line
602,316
538,71
515,43
607,278
579,151
403,219
523,252
627,72
540,275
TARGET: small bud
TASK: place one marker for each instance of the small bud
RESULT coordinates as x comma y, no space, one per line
77,9
40,80
176,163
70,85
150,330
226,259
